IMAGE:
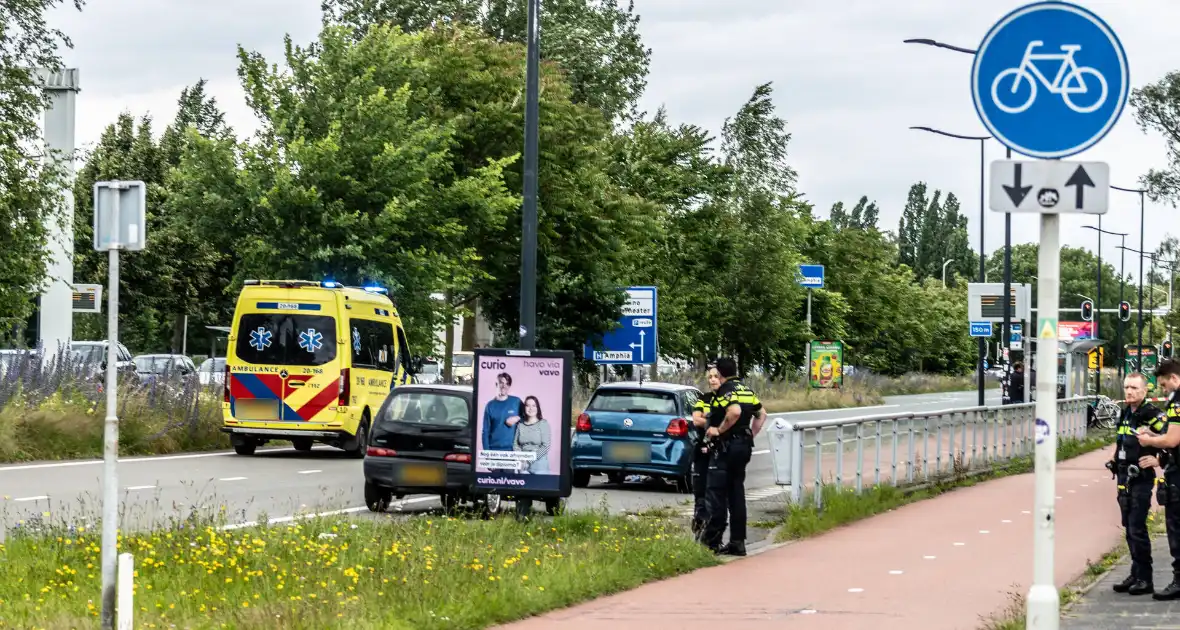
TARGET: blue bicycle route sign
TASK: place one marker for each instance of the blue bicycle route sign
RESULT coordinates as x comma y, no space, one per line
1050,79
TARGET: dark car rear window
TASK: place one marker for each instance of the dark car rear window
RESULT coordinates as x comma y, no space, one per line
628,401
431,408
286,339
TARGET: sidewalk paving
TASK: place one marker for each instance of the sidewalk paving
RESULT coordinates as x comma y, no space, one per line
940,564
1102,609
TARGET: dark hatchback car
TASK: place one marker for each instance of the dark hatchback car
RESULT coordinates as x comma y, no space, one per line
633,428
420,443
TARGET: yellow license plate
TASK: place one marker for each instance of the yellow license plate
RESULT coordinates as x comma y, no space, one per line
249,409
627,453
422,475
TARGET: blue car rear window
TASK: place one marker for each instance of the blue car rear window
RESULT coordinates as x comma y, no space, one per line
633,402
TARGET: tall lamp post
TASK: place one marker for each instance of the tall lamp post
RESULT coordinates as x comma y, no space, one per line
528,233
944,264
1005,330
982,255
1139,342
1122,283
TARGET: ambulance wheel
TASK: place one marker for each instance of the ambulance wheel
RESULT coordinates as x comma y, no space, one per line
361,439
244,445
302,444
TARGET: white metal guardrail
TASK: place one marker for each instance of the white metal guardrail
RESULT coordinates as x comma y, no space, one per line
907,448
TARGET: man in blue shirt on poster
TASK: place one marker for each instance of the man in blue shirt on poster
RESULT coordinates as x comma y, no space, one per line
500,416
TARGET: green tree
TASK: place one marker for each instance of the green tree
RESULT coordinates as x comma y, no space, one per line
1157,108
596,42
30,202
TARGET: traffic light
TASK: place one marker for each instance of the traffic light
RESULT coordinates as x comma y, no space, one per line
1166,349
1125,311
1087,310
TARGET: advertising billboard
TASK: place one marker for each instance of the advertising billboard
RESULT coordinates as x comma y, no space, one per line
522,422
826,364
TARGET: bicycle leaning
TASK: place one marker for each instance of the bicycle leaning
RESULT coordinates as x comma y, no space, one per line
1105,413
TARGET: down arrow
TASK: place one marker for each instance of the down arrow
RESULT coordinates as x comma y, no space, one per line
1016,192
1080,179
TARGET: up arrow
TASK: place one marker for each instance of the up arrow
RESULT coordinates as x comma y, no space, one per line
1016,192
1080,179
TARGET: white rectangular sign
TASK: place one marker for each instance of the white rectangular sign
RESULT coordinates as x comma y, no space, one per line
120,215
612,355
640,303
1049,187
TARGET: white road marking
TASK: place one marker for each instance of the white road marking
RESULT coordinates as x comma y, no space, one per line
1085,485
1005,521
351,510
895,572
309,472
856,590
232,479
984,531
1025,512
41,497
928,557
761,452
139,487
134,460
1058,498
807,611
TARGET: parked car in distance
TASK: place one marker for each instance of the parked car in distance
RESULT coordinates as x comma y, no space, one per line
421,444
631,428
93,357
212,371
154,366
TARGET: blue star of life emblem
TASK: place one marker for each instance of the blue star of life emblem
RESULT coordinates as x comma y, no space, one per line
356,340
311,340
260,338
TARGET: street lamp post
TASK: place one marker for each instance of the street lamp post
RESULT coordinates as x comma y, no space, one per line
1005,329
1138,355
528,235
1122,283
944,264
982,256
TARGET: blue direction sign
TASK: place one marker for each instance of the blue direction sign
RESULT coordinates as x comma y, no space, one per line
634,341
811,276
981,329
1015,331
1050,79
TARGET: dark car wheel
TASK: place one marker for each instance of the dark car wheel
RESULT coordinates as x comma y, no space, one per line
377,498
302,444
581,478
616,478
684,484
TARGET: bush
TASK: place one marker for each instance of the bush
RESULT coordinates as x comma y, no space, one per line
55,409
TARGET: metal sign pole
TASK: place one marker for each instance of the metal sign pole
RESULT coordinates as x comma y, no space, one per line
110,434
1043,602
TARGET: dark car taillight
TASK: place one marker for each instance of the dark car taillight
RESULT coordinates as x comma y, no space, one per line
463,458
225,385
379,451
583,425
345,388
678,427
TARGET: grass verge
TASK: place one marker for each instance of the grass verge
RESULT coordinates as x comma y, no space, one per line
843,505
417,573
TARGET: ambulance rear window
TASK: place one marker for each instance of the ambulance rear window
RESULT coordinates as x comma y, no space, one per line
286,339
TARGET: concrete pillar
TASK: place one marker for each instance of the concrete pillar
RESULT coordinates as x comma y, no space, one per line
56,317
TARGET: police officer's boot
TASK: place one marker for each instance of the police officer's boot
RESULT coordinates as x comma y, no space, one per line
1126,584
1171,591
1141,587
734,548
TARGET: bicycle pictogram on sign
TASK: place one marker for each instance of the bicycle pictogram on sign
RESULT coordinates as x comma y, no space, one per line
1069,80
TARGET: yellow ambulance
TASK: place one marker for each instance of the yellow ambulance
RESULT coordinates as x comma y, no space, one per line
311,362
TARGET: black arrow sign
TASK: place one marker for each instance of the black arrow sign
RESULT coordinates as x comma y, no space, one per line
1080,179
1016,192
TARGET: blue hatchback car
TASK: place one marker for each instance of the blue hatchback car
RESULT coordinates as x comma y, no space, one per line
636,429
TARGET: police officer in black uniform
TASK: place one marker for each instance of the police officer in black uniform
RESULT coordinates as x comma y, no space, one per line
1168,492
1133,467
700,453
735,417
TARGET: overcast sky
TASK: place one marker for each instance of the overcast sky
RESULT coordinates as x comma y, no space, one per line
844,81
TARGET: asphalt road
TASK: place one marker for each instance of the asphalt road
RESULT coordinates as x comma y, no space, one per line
280,483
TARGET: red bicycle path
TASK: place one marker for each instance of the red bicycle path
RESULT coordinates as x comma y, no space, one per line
940,564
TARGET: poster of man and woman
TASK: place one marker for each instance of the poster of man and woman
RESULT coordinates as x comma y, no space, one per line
521,402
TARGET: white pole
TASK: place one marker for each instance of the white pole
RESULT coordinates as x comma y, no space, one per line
110,436
184,339
1043,605
126,591
1028,363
